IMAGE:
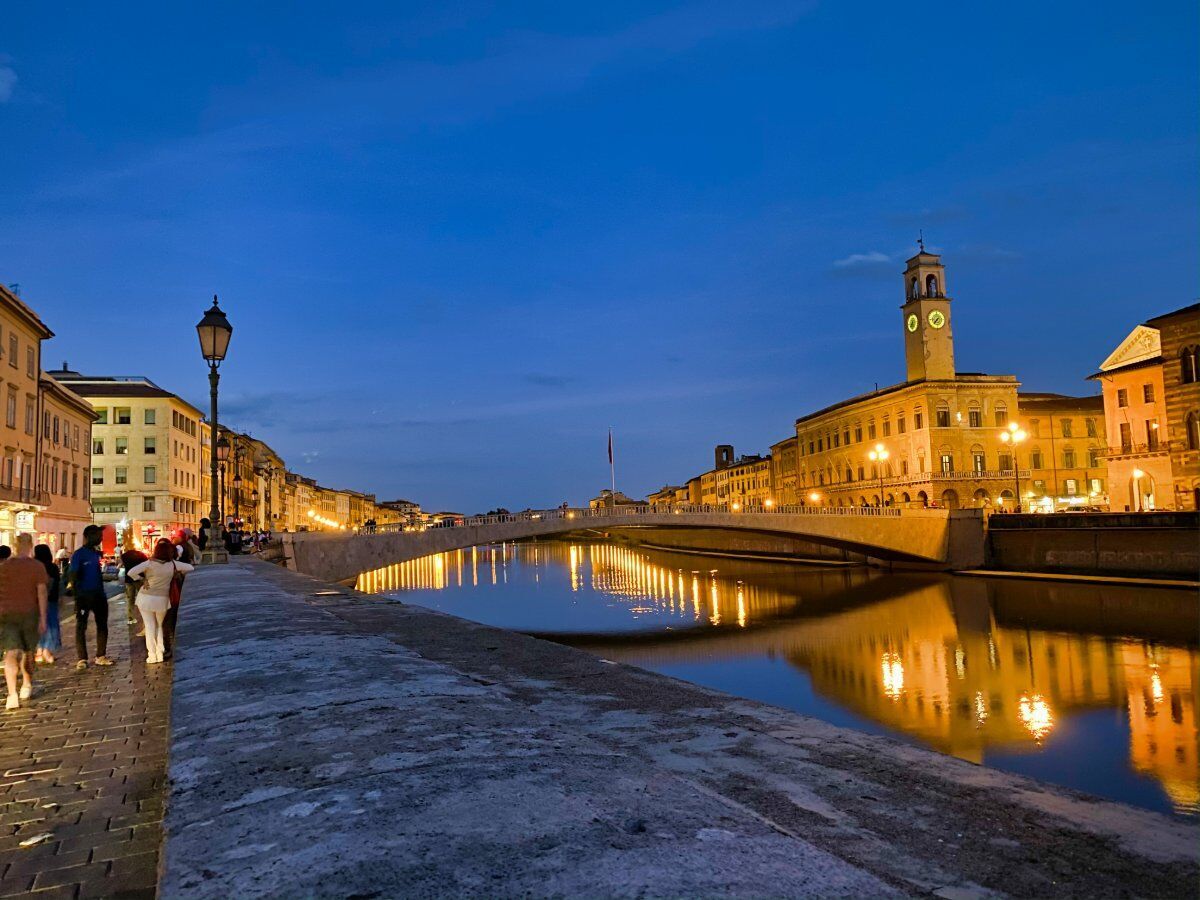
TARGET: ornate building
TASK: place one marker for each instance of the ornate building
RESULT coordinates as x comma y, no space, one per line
933,439
1066,450
1151,386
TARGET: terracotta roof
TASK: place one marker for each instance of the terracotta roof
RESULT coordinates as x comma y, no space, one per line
1194,308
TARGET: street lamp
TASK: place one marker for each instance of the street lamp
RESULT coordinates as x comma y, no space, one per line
237,494
1137,489
214,332
254,497
1014,435
877,456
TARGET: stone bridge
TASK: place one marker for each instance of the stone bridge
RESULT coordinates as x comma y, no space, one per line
919,538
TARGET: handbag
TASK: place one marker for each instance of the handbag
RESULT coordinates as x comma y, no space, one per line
176,589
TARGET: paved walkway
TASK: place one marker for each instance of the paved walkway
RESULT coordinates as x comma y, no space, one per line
85,763
329,744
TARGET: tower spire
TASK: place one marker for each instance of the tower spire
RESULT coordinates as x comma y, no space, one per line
921,239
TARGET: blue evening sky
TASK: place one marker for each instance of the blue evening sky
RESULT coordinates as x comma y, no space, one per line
459,241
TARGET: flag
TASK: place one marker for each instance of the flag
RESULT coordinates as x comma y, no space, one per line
610,456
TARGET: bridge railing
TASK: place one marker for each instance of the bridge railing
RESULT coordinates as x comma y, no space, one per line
636,512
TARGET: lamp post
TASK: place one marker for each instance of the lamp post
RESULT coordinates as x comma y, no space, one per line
237,494
254,498
214,332
222,458
1014,435
877,456
1137,490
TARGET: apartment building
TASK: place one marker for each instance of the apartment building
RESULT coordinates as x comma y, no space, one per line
65,466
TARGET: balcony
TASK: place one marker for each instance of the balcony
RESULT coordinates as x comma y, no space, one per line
1134,450
1005,475
28,496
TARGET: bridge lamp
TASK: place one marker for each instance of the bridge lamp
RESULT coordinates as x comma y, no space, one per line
736,506
768,503
814,497
1014,435
877,456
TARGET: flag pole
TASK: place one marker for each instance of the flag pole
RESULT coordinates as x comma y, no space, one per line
612,468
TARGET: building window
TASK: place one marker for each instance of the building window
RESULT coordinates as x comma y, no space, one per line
918,420
1122,397
30,362
1189,365
121,475
900,427
10,417
97,446
1096,486
1035,460
1039,487
1147,393
1006,462
74,484
947,462
151,445
122,415
12,350
1072,487
148,417
943,418
121,446
102,416
1126,437
147,504
1193,430
1068,458
30,415
977,462
97,476
111,505
1001,416
1066,427
1151,434
871,431
846,437
1090,424
57,423
975,418
837,439
904,467
861,473
150,476
849,474
858,434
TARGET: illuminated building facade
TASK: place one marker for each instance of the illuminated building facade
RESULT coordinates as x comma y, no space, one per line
934,439
66,466
1152,410
738,482
1066,451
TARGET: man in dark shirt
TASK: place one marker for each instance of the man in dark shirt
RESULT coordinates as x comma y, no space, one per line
23,599
86,573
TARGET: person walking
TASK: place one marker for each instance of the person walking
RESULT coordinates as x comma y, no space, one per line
63,559
154,599
51,641
23,599
86,577
131,556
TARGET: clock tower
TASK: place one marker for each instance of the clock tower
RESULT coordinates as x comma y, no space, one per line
928,343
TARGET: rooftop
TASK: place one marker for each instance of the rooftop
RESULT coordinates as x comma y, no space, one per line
976,377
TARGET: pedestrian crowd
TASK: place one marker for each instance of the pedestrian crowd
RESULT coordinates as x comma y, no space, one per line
34,578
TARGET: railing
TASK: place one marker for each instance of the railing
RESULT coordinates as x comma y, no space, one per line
25,495
638,512
868,483
1136,449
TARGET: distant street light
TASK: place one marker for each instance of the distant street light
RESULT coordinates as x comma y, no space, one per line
214,332
877,456
1138,474
1014,435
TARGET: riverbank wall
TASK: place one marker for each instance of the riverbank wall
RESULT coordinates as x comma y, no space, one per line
328,743
1150,545
734,543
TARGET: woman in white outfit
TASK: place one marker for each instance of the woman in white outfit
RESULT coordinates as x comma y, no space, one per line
154,599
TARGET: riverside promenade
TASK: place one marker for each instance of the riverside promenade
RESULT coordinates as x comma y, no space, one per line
327,743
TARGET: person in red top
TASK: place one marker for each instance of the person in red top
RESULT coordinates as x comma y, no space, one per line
23,598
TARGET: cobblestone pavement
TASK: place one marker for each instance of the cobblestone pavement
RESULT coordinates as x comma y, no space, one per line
85,763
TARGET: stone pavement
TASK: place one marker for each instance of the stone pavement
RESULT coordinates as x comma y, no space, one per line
329,744
85,762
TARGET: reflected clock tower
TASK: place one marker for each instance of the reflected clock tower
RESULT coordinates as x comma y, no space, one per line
928,342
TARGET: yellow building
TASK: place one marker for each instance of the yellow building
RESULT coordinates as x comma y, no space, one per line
21,336
737,482
934,439
145,454
1066,449
1152,412
785,477
66,467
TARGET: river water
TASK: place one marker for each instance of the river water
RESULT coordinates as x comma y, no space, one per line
1089,686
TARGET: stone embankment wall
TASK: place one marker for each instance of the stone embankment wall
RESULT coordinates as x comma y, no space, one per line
719,540
1156,545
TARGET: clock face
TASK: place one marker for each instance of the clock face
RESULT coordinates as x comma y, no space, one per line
912,322
937,319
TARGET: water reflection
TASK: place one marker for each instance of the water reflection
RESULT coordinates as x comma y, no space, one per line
1091,686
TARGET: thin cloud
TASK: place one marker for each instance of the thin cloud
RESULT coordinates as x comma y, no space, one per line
868,260
8,81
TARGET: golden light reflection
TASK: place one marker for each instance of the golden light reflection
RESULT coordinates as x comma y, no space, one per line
893,675
1036,716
